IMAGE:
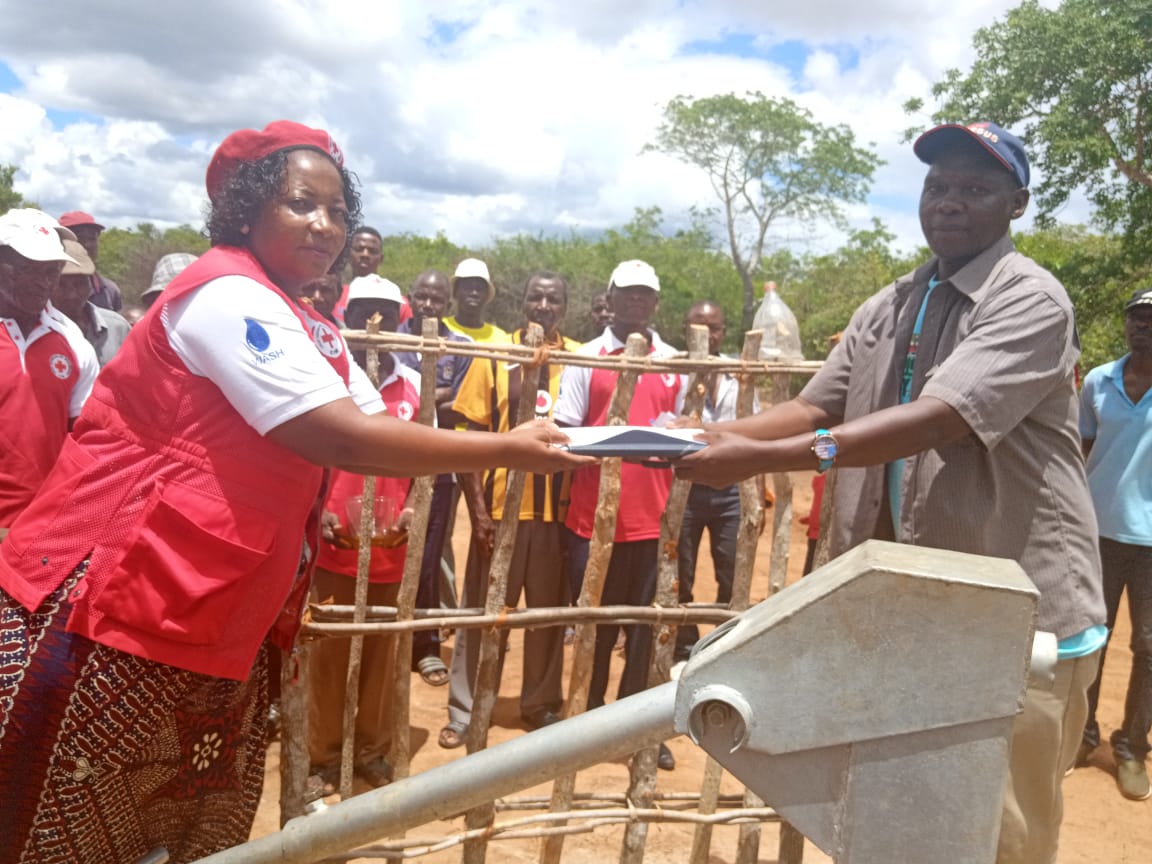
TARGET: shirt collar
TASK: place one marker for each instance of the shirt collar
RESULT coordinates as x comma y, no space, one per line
95,318
659,346
970,280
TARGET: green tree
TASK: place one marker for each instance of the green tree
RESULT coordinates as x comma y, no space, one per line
128,256
1099,278
767,160
9,197
1076,83
406,256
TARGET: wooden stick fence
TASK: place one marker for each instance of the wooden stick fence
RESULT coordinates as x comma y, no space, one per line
636,808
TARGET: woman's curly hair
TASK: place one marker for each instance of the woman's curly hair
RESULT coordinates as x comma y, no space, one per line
255,183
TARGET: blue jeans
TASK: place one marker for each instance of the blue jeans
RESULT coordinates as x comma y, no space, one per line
1127,566
718,510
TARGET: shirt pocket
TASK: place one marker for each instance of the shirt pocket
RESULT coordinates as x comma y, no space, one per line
188,575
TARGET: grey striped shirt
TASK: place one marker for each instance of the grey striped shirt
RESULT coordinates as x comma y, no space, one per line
999,345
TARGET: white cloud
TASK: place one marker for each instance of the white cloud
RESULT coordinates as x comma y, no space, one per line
476,118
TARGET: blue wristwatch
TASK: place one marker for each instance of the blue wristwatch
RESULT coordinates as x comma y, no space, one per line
825,448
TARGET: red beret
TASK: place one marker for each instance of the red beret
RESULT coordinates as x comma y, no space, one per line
249,145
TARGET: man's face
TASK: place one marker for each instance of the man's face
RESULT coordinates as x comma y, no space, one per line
88,236
26,286
711,317
967,203
633,307
545,303
471,293
428,299
322,293
1138,328
359,311
71,293
600,311
366,254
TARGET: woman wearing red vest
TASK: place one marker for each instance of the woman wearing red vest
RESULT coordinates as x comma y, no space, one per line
139,587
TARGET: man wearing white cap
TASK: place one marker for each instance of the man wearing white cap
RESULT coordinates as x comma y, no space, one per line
634,294
46,366
104,329
472,290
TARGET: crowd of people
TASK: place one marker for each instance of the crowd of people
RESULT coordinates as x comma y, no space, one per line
178,477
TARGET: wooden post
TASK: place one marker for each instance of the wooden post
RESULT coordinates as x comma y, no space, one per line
642,768
488,668
400,755
294,761
747,539
782,510
824,541
363,563
599,554
791,844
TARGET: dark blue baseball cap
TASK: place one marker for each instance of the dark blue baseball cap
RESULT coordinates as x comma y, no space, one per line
1005,147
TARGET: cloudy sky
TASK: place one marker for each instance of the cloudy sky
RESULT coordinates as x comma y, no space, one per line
478,118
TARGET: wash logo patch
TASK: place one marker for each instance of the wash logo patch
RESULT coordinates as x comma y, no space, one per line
259,342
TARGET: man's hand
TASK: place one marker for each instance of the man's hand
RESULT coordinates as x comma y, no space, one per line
728,458
484,533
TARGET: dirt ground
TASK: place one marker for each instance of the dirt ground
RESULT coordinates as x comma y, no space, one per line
1100,827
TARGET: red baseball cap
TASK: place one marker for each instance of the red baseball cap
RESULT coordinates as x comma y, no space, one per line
249,145
78,217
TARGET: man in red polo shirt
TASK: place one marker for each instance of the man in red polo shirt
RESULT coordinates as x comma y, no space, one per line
46,365
634,294
105,292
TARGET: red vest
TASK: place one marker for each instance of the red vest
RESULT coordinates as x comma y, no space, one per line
192,521
643,491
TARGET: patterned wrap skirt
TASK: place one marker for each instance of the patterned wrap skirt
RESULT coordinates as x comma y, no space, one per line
105,757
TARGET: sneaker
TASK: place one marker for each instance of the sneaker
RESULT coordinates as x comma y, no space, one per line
1082,756
1132,778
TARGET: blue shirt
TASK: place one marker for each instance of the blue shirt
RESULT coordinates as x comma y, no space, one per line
450,368
1120,464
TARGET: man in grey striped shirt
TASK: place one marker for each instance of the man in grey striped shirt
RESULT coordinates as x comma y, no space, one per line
950,409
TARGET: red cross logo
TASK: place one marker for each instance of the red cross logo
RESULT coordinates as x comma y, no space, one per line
60,365
326,340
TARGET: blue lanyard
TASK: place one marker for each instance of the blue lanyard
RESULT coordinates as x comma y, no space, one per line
896,467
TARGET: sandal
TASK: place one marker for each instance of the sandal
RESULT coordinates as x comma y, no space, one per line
376,773
433,670
452,736
321,783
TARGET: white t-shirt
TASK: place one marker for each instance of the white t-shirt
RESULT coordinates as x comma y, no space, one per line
249,343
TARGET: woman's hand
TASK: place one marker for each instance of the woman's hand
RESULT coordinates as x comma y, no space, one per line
728,458
536,446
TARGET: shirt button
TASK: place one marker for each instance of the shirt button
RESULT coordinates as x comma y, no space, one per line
44,561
